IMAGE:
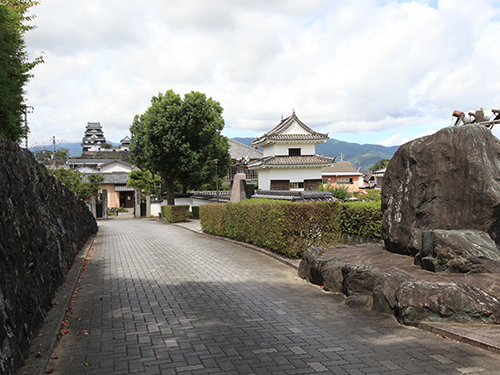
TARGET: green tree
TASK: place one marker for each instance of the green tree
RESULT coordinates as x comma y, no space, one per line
382,163
62,153
179,139
75,181
146,182
14,66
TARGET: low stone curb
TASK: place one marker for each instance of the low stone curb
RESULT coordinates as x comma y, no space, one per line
461,334
46,339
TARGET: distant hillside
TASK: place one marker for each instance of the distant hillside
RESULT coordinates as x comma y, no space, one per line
359,155
75,149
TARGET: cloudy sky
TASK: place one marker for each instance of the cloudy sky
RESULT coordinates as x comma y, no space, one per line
364,71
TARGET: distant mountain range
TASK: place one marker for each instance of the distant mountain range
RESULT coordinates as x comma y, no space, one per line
359,155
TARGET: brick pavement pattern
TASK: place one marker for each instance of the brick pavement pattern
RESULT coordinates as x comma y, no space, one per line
160,299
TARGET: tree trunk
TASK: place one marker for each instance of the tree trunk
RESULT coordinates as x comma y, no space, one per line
169,185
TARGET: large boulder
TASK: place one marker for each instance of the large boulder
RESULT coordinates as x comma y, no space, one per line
397,293
446,181
418,301
459,251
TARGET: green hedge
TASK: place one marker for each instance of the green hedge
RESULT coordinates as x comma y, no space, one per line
196,211
284,227
290,228
175,214
361,219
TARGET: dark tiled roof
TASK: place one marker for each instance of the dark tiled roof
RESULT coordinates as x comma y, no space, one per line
239,150
278,133
340,167
111,178
115,178
304,160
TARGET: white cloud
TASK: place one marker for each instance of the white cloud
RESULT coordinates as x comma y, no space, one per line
345,67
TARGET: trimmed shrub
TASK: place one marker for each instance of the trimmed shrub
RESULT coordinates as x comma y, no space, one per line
284,227
195,211
175,214
361,219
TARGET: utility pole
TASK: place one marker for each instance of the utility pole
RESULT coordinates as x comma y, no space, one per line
54,154
28,109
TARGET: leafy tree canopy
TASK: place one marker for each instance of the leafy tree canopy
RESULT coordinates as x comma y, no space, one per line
179,139
146,182
14,66
383,163
61,153
74,181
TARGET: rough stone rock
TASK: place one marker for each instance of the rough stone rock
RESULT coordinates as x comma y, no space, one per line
43,225
446,302
360,279
459,251
333,278
308,267
384,293
447,181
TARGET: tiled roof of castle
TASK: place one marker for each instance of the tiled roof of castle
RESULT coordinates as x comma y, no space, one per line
292,161
290,129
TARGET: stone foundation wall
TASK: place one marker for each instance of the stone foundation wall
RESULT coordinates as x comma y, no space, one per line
43,225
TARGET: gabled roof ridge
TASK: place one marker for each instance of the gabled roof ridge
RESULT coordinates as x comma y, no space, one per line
286,123
114,161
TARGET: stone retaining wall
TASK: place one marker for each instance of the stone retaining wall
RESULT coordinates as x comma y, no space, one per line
43,225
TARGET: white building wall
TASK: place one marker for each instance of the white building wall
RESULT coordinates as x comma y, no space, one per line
306,149
87,170
291,174
282,148
115,168
268,150
264,179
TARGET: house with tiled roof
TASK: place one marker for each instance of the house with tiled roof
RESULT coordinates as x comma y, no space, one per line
343,173
115,174
289,159
242,155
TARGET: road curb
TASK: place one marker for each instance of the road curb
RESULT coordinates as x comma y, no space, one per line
451,331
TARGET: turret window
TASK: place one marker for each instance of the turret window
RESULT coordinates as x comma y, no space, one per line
294,152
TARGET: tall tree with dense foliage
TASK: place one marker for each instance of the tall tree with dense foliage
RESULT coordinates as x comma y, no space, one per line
146,182
179,139
14,66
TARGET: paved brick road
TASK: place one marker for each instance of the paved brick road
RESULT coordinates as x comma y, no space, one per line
159,299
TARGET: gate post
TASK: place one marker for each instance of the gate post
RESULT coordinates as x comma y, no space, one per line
137,204
104,204
148,205
93,206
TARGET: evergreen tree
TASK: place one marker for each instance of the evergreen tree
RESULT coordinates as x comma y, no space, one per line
14,67
179,139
